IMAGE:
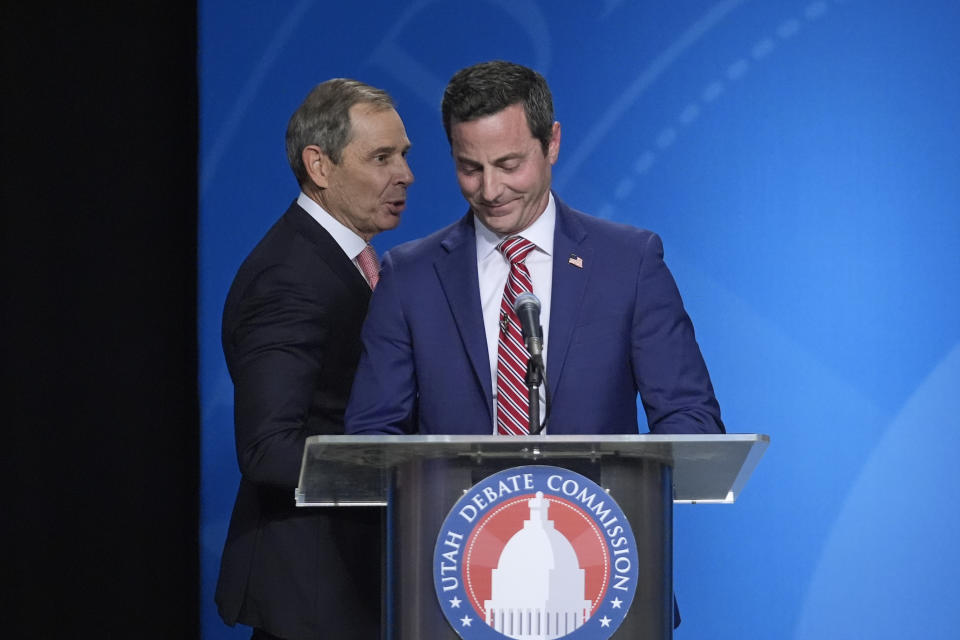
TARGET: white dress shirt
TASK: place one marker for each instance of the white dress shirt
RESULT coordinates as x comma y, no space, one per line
350,242
493,270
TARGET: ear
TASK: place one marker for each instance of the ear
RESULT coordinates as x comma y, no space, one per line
317,164
553,148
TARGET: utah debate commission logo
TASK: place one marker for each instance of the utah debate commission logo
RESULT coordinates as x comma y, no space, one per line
535,552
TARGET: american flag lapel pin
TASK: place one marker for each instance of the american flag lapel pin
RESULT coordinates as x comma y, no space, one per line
575,260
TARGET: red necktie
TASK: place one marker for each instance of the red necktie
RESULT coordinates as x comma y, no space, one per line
368,263
512,398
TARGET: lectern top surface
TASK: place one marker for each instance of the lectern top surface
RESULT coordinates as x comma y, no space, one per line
347,470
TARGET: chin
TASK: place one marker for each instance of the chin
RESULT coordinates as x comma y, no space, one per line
510,229
500,224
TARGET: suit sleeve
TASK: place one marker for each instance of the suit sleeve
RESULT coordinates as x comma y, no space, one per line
384,394
276,338
669,370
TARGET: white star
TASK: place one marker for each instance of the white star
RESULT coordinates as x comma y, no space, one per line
466,620
616,603
605,621
455,603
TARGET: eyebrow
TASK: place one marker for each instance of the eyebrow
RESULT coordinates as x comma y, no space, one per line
516,155
389,149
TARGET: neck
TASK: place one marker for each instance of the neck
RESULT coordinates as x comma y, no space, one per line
318,195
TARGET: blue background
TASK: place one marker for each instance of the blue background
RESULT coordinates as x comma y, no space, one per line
800,160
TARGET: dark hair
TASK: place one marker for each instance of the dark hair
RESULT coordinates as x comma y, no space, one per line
324,119
490,87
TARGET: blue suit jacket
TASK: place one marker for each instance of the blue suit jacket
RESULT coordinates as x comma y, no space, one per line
617,327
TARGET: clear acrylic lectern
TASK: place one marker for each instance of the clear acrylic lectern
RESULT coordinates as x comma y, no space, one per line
419,478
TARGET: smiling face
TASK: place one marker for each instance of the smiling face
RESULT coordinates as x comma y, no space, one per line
367,189
502,169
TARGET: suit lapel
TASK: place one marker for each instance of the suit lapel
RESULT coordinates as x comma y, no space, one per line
328,249
569,286
457,271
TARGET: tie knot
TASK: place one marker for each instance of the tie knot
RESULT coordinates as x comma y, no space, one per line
515,248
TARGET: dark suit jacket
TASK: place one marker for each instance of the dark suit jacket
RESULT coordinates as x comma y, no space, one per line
291,337
617,327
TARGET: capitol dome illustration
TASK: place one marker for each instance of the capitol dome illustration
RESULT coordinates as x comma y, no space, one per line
538,587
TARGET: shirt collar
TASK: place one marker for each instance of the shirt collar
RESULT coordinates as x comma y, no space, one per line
350,242
539,233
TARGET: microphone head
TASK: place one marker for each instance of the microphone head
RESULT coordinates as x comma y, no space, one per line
526,299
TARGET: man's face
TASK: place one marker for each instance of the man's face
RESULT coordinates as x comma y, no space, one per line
367,191
502,170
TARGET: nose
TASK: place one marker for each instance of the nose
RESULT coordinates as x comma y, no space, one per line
404,174
490,186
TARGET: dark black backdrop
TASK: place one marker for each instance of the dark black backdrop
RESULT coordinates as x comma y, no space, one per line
100,426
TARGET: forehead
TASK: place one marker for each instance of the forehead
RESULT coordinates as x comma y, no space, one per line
373,125
492,136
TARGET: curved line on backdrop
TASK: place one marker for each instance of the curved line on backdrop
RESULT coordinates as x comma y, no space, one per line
210,162
659,65
876,492
415,76
786,30
427,85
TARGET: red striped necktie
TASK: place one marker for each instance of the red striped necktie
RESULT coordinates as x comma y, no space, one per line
512,399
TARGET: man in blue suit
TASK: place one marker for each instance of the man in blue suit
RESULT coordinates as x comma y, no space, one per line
436,353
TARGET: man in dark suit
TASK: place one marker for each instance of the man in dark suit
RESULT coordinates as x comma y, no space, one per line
440,339
291,337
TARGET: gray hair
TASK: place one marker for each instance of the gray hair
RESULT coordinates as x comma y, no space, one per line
324,120
489,87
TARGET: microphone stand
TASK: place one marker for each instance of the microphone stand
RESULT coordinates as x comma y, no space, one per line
527,308
535,375
533,379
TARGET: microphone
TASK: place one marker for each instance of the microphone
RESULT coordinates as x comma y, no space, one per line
527,308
